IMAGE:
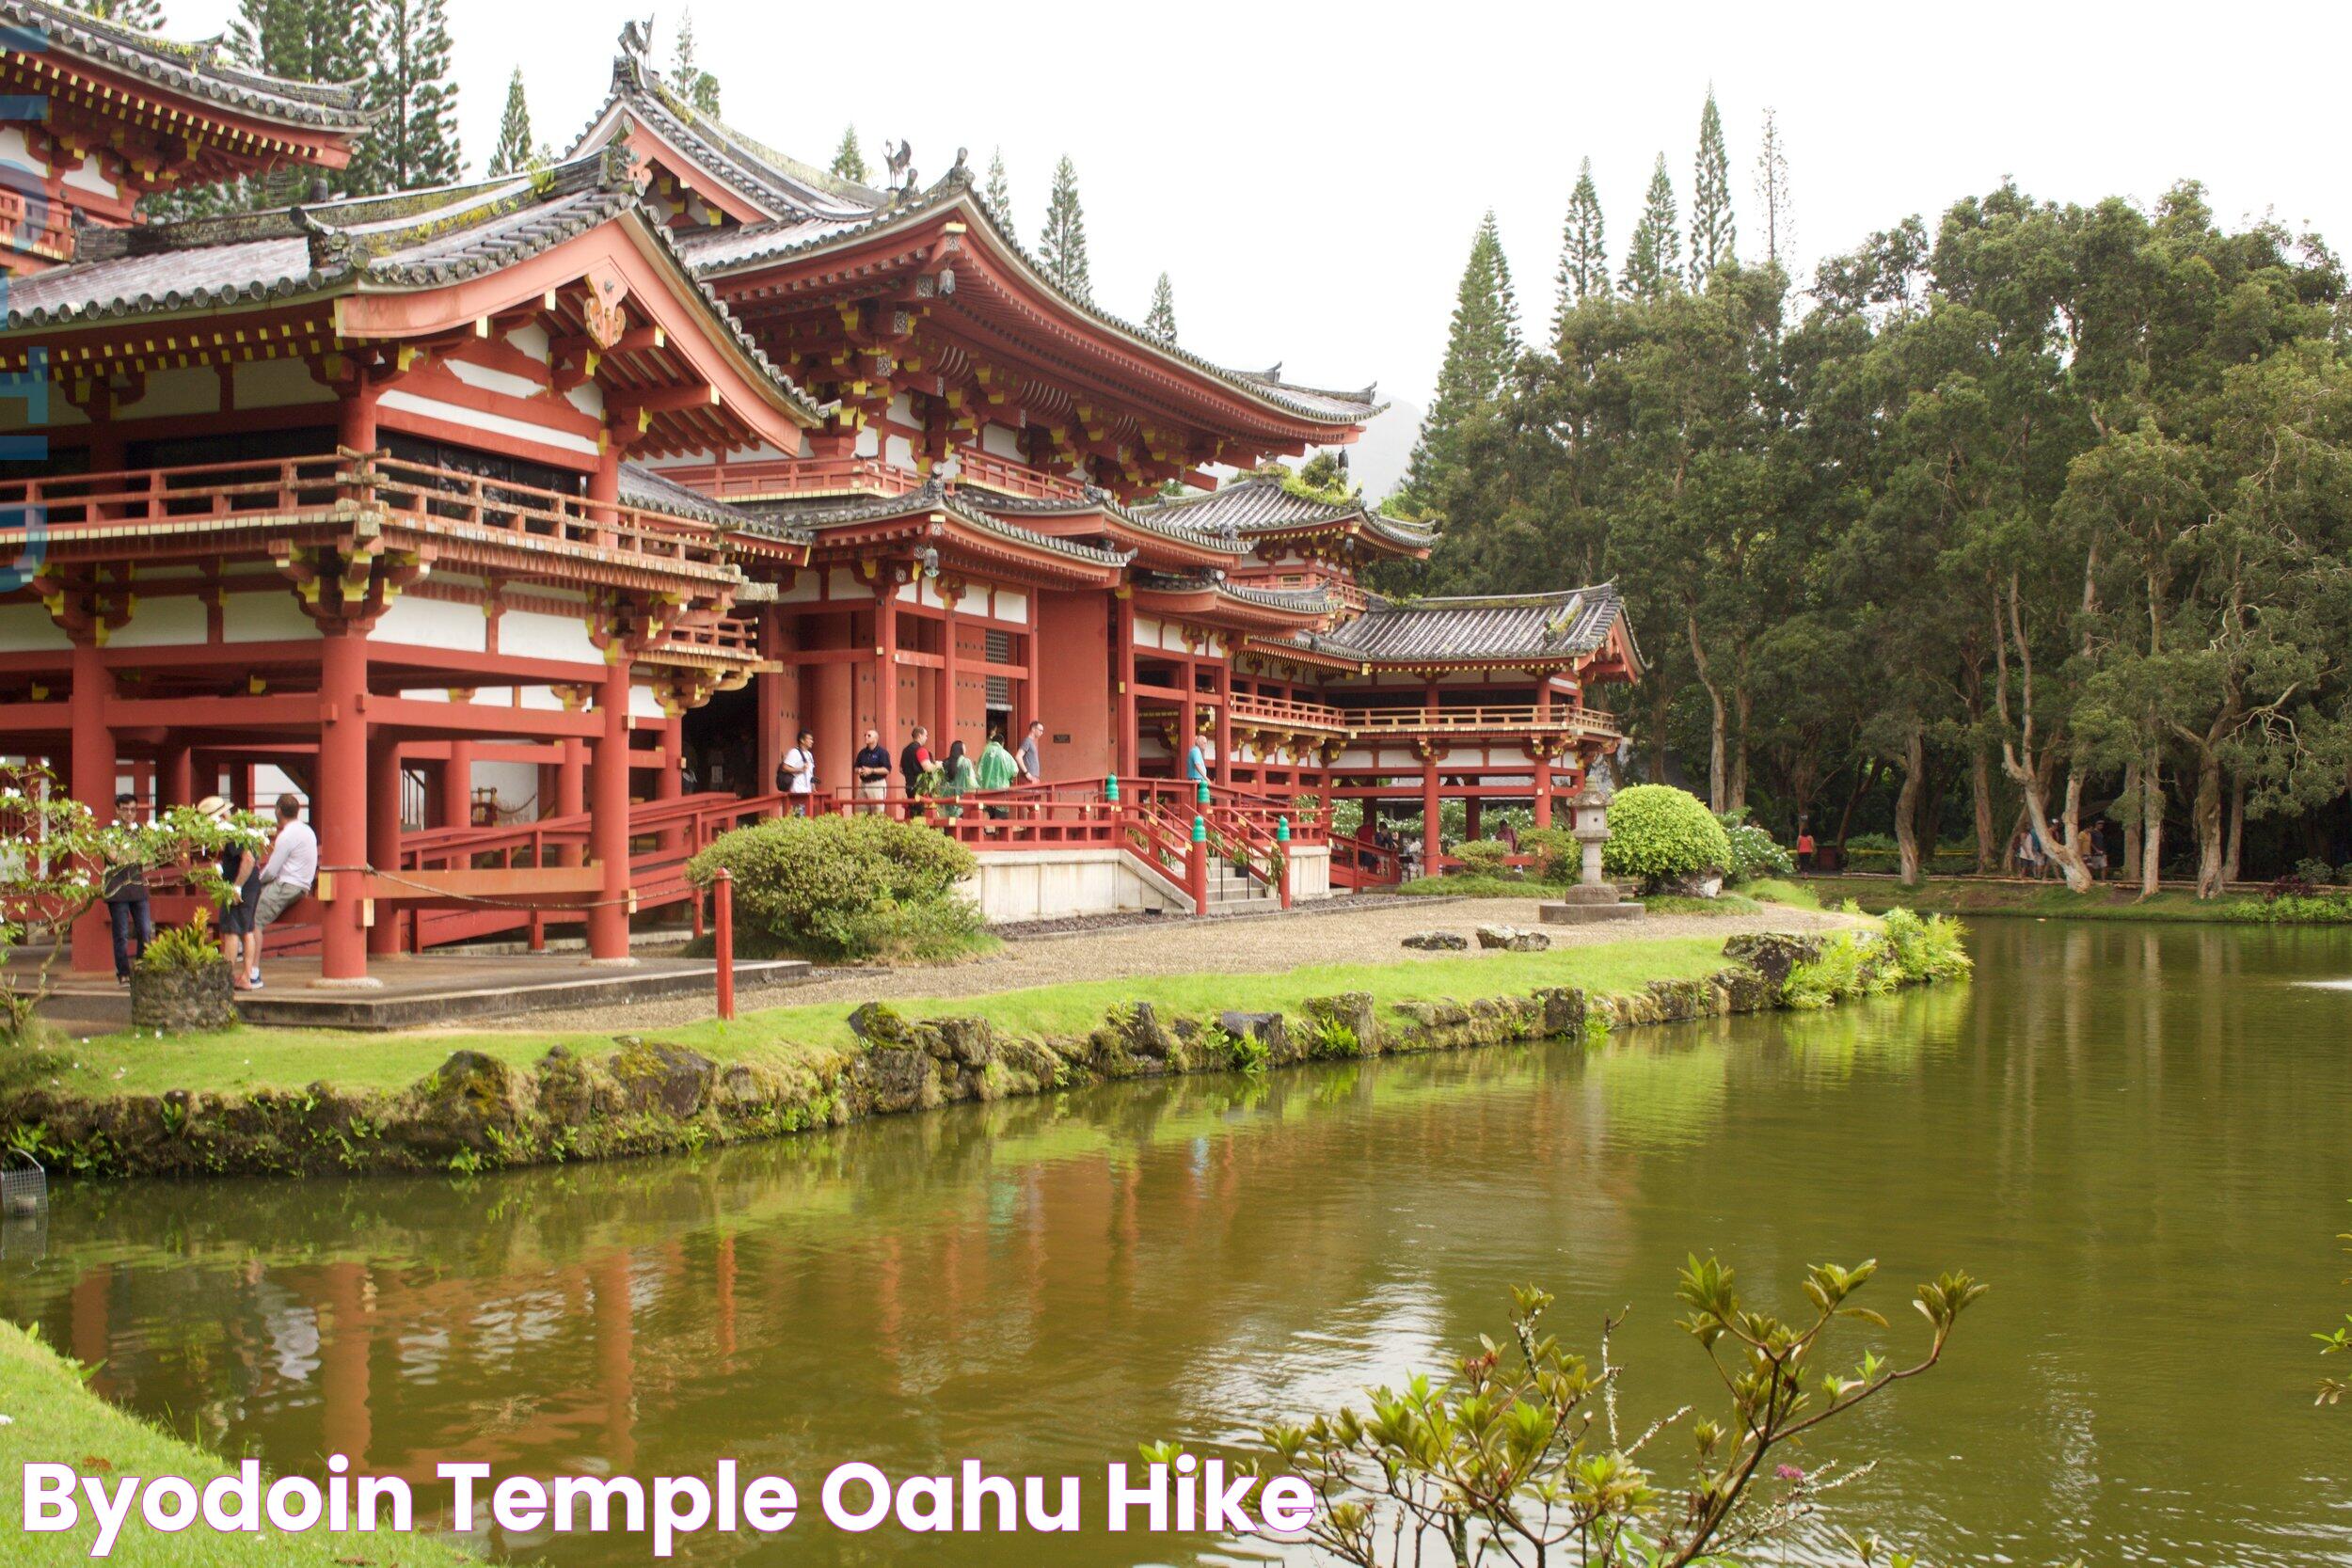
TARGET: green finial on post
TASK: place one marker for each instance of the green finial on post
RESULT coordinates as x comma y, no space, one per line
1110,786
1201,796
1281,829
1200,830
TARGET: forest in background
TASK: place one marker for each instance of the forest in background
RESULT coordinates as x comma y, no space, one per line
2039,516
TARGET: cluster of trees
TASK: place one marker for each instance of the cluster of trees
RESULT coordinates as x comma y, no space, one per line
2040,518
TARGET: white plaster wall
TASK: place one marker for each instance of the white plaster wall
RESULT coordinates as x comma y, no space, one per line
278,384
26,628
433,624
528,634
161,623
273,617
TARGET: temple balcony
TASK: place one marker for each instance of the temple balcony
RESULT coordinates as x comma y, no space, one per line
1284,713
1511,719
255,506
761,478
985,470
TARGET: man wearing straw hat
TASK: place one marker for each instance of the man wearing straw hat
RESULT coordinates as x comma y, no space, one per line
240,868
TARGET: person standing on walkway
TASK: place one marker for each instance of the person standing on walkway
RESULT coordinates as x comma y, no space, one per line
914,760
1031,762
960,778
125,890
240,873
1197,763
871,770
997,770
796,775
286,875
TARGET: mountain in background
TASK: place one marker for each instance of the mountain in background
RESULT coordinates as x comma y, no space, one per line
1379,458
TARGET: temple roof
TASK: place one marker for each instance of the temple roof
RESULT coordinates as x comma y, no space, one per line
775,181
195,69
1542,628
415,240
1262,504
1097,500
819,515
645,488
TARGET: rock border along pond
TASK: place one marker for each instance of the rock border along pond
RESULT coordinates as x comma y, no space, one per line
478,1112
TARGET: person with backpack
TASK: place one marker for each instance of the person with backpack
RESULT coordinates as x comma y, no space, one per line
796,775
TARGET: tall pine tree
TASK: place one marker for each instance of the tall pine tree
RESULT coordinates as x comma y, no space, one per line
1480,353
1583,244
1063,243
146,15
848,162
1161,321
998,190
415,139
1772,194
513,152
699,85
1653,260
1713,235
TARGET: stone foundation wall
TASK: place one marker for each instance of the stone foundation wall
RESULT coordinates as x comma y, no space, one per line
644,1097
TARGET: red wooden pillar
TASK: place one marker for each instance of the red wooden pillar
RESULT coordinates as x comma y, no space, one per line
608,823
1432,842
768,708
571,792
886,663
1224,769
943,729
90,775
175,777
384,834
456,803
1470,814
667,786
1543,763
339,803
1128,742
1189,715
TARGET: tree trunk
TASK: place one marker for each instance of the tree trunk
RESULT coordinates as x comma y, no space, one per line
1717,722
1980,789
2207,814
1907,805
1742,707
2130,869
1865,780
2232,854
1662,699
2152,822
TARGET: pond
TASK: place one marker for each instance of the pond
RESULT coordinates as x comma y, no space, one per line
2134,1134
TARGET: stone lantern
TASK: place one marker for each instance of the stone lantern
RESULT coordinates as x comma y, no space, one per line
1595,897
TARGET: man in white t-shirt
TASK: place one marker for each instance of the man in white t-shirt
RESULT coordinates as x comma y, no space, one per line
797,773
286,875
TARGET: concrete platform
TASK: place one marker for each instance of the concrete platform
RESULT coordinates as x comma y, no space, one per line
436,989
1588,915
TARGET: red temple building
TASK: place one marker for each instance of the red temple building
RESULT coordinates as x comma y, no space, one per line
490,517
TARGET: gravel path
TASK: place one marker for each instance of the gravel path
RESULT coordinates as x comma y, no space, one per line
1186,948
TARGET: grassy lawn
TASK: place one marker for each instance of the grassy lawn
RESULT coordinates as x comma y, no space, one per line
2053,901
53,1418
252,1057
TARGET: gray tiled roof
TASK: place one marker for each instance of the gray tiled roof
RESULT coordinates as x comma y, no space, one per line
770,179
196,70
409,240
645,488
1101,501
819,513
1536,626
1298,601
1261,504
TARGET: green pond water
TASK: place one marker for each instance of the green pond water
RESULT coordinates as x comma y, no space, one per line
2137,1136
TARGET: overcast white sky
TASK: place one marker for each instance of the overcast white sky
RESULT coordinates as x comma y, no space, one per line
1309,176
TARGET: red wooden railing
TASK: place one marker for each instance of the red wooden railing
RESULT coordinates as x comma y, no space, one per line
1286,712
795,476
1480,716
987,471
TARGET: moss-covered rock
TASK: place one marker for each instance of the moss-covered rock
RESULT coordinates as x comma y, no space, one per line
1773,954
668,1080
470,1103
1342,1025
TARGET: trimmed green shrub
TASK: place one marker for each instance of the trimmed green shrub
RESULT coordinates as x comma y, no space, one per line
848,887
1482,857
1560,857
1754,851
1662,834
190,949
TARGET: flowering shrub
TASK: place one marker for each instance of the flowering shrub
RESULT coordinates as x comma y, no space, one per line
1662,834
1754,851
